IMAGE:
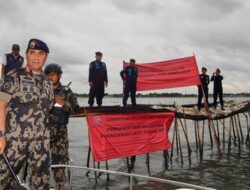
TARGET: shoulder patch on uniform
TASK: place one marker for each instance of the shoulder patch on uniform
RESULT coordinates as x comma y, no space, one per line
6,86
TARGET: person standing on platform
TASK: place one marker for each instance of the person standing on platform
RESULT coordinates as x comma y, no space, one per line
12,60
65,104
98,80
26,98
218,89
203,88
129,76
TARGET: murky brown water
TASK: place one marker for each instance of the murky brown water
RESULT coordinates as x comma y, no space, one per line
230,172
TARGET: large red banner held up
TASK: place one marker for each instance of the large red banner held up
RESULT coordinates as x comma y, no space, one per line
167,74
124,135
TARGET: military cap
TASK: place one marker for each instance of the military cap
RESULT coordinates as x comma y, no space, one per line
38,45
204,68
98,53
132,60
53,67
15,46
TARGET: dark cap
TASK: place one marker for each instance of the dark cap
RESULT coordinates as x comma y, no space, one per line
98,53
15,46
53,67
38,45
132,60
204,68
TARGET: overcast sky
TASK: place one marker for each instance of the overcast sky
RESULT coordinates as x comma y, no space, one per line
217,31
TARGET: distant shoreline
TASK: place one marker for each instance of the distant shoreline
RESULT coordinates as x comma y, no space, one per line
167,95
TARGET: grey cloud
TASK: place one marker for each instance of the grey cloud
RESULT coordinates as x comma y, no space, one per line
147,30
223,6
216,10
131,6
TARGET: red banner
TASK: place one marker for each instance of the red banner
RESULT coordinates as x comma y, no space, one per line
167,74
124,135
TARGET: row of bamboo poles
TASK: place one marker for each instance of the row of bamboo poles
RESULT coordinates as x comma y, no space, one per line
225,134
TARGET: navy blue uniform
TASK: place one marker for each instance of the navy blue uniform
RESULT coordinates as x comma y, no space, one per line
98,76
13,62
204,82
129,76
217,89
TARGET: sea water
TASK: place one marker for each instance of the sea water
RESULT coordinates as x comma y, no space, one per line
229,172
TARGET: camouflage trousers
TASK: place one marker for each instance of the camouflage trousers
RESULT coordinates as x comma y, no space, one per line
59,145
36,153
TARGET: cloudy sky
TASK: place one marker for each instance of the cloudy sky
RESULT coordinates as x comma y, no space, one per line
217,31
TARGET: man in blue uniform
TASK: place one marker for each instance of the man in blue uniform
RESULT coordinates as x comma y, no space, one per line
98,80
203,87
12,60
26,97
65,104
129,76
218,90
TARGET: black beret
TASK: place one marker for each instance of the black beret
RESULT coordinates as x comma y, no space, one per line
98,53
204,68
15,46
38,45
132,60
53,67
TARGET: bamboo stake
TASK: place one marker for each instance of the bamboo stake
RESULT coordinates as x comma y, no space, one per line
236,128
216,140
248,129
202,137
218,131
229,136
166,157
237,134
172,149
186,135
195,132
223,133
234,134
107,168
239,124
199,139
210,133
88,161
148,164
95,171
248,133
226,130
127,159
176,137
179,142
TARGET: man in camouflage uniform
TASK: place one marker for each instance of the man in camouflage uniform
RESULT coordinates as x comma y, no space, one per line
65,104
26,97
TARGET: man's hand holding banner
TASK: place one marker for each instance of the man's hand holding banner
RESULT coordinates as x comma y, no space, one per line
167,74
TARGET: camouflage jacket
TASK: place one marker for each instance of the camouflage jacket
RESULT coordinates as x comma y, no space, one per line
30,98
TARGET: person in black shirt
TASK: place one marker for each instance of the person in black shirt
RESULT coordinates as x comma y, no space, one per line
12,60
98,80
129,76
217,78
203,88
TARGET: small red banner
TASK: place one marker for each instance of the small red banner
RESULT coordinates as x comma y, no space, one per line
124,135
167,74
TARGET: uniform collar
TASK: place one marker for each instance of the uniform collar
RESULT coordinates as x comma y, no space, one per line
15,55
58,86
